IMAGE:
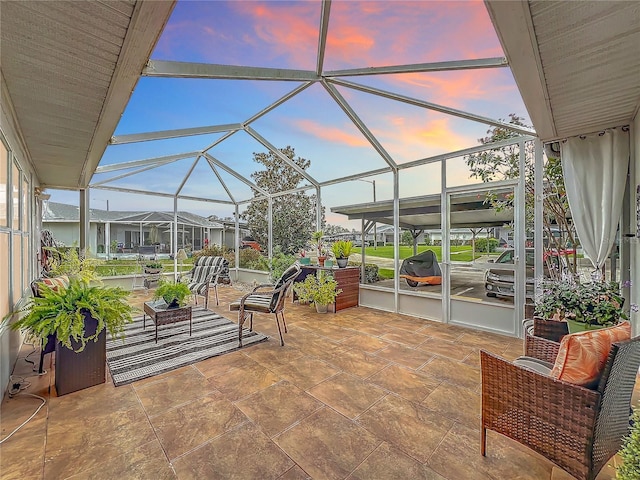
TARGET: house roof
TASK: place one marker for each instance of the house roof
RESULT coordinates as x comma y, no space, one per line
576,63
61,212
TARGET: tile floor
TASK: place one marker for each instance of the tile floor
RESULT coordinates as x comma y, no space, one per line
362,394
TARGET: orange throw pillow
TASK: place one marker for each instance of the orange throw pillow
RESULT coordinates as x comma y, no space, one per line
582,355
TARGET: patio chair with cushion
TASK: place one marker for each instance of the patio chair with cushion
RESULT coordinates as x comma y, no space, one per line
266,298
207,272
576,427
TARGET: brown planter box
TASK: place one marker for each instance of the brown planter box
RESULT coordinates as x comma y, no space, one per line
76,371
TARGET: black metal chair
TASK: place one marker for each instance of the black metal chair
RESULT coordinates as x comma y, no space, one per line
266,298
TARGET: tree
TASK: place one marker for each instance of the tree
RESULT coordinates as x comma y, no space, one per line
294,215
406,238
330,230
503,163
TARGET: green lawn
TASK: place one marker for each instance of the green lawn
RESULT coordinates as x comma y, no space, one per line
458,253
108,268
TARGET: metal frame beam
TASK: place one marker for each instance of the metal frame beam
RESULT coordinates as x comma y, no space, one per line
214,161
431,106
164,68
495,62
180,132
322,40
149,161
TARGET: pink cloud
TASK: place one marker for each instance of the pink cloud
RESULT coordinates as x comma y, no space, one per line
335,134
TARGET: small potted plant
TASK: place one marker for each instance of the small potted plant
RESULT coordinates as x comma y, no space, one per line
152,268
174,294
342,249
321,289
316,239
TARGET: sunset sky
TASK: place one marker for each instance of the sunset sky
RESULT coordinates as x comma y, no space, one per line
285,35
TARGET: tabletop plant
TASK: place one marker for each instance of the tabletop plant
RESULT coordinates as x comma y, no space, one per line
342,249
61,312
175,294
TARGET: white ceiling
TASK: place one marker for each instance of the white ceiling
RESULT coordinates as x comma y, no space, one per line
577,64
70,68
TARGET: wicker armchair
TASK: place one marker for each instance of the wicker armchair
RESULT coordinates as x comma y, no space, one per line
576,428
266,298
542,338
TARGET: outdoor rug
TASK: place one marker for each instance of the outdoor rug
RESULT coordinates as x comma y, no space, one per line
140,357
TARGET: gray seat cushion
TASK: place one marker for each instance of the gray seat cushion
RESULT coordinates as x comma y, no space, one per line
534,364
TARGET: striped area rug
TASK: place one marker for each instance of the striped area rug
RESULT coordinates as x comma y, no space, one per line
140,357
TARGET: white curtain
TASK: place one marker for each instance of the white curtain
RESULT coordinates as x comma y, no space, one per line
595,171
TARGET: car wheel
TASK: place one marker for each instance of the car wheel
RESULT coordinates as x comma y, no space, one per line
412,283
492,295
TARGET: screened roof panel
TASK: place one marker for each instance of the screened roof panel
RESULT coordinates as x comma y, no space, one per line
267,34
369,34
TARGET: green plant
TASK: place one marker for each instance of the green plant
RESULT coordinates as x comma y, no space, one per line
342,248
593,303
60,312
68,261
321,289
212,251
280,261
172,291
153,265
630,451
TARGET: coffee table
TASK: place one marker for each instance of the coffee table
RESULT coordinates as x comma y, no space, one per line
161,315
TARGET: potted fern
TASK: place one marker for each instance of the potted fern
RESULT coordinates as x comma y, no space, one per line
78,315
175,294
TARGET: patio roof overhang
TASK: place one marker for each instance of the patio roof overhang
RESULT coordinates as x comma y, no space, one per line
423,213
68,71
576,63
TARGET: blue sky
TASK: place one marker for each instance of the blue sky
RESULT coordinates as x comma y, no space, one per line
285,35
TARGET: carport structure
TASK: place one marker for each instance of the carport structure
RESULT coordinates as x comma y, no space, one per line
61,110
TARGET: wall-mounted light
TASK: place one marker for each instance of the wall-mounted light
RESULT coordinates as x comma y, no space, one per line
40,195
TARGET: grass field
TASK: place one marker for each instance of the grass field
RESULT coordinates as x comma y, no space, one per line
458,253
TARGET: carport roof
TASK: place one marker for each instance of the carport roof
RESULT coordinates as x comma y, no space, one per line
423,213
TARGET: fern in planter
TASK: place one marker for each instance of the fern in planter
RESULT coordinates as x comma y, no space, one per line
61,312
175,294
630,452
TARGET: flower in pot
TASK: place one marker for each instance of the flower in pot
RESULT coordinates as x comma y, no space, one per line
342,249
174,294
316,239
584,306
321,289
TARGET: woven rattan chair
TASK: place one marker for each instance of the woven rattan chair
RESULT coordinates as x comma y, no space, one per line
577,428
206,273
542,338
266,298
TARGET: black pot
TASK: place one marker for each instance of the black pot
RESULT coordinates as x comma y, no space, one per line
173,303
76,371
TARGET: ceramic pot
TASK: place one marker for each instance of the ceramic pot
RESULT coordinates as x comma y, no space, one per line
342,262
321,261
322,308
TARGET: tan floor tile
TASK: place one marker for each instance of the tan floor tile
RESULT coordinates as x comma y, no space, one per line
347,394
409,357
295,473
405,425
357,363
388,463
191,424
162,376
404,382
444,348
170,391
366,343
245,453
453,372
327,445
489,341
458,456
277,407
22,455
81,441
272,355
146,461
223,363
239,383
404,337
305,372
411,324
443,332
457,403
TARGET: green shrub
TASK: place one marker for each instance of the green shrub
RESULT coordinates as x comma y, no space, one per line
212,251
280,262
630,452
253,260
481,244
370,271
